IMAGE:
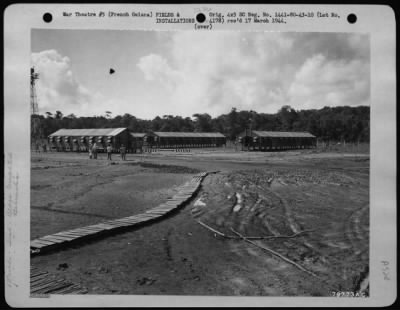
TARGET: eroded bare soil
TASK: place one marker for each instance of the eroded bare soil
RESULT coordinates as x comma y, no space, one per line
319,205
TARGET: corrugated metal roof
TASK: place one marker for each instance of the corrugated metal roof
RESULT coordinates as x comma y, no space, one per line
137,134
282,134
88,132
189,134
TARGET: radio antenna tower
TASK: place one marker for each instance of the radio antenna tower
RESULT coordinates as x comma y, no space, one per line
36,128
34,104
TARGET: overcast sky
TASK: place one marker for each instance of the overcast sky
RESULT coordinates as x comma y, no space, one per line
183,73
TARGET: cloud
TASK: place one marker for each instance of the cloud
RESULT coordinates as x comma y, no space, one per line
323,82
188,72
57,87
212,72
155,67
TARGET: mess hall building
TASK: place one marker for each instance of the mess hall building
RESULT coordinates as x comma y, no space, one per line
177,140
276,140
78,140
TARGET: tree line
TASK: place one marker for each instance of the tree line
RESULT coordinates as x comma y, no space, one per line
344,123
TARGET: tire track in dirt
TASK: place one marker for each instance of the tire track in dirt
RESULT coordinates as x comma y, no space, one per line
256,206
309,253
261,205
254,216
353,231
289,215
252,212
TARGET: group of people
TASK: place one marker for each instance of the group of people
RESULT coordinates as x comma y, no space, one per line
93,151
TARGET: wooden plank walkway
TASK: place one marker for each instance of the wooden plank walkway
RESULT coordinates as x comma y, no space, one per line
74,236
41,282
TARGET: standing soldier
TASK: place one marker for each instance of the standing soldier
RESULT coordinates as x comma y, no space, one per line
94,150
109,150
122,150
90,151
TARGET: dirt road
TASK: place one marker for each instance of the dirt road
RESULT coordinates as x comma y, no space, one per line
321,200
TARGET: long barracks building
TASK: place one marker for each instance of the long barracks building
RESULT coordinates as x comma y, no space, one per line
276,140
167,140
78,140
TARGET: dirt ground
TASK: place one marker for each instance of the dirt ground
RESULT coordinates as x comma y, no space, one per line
317,203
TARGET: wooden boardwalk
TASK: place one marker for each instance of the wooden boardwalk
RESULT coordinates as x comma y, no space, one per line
72,237
44,283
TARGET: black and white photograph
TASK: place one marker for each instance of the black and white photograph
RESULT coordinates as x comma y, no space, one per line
200,163
161,168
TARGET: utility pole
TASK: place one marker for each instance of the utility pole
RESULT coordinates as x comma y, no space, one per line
250,129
